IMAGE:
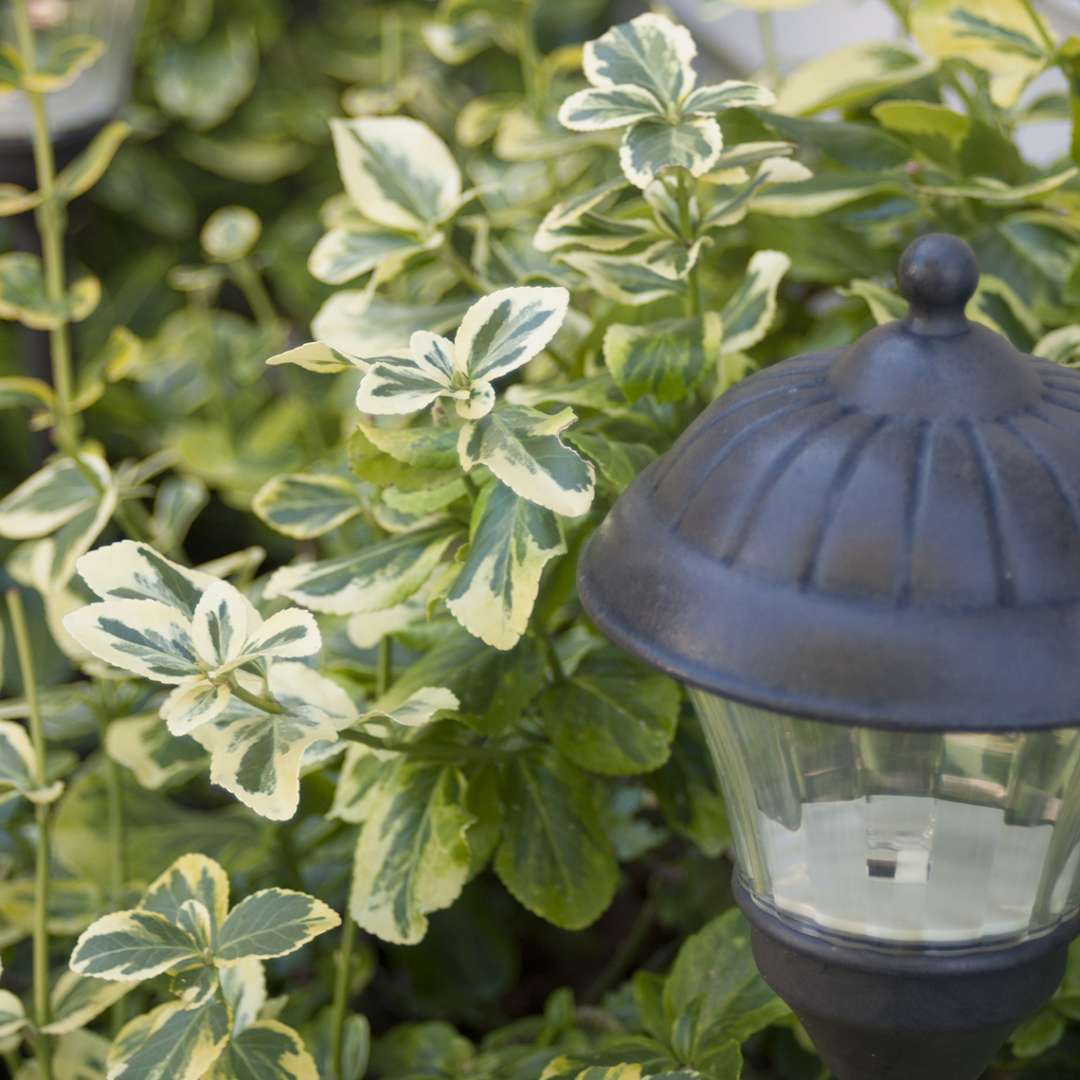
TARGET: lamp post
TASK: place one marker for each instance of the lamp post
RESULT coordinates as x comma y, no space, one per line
865,564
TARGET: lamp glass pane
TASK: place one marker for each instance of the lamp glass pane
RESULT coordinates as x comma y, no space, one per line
928,839
97,93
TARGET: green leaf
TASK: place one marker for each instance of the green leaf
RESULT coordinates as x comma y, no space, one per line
412,855
650,147
598,109
76,1000
305,506
884,304
1037,1035
345,253
716,986
170,1043
650,52
89,167
749,313
555,856
23,296
936,130
397,171
64,59
267,1050
377,577
270,923
131,946
857,146
523,448
619,463
612,716
12,1015
203,81
230,233
511,541
665,358
820,194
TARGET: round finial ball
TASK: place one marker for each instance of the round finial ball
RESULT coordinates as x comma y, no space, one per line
938,271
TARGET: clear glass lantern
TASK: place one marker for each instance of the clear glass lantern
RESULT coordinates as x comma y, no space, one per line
97,93
910,838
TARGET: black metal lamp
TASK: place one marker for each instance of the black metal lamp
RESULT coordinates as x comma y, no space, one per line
865,563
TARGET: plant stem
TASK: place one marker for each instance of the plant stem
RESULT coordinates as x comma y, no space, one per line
254,289
1040,25
260,702
462,268
51,218
767,33
43,1044
384,669
530,58
686,227
342,982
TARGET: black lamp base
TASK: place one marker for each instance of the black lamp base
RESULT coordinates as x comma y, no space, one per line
879,1015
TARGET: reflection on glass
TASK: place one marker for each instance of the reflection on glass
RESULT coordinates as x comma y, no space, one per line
922,838
97,94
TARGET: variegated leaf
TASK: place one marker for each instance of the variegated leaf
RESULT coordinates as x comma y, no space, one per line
506,329
143,636
24,297
405,384
318,357
130,570
49,499
397,171
230,233
191,877
428,446
18,769
194,702
1060,346
244,986
63,59
170,1043
694,143
267,1050
511,541
522,447
601,108
664,358
346,253
361,772
412,856
131,946
749,313
365,631
272,922
305,506
650,52
76,1000
419,707
219,626
377,577
637,278
730,94
12,1015
256,755
566,216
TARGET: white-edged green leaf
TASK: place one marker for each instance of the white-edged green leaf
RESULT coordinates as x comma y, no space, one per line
990,189
90,166
17,765
158,759
664,358
256,755
62,61
511,541
191,877
612,716
15,199
633,278
230,233
170,1043
457,41
220,625
397,171
47,500
12,1015
24,297
405,384
749,313
177,503
884,304
130,570
555,856
244,987
730,94
193,702
419,708
506,329
377,577
366,630
810,196
1060,346
601,108
304,506
272,922
318,357
428,446
266,1050
75,1000
619,463
143,636
522,447
650,51
362,770
566,216
18,391
412,855
346,253
694,143
132,945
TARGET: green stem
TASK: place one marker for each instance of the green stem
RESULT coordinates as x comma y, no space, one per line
117,844
254,289
462,268
530,59
43,1044
686,227
260,702
51,219
1040,25
767,33
422,752
342,983
384,667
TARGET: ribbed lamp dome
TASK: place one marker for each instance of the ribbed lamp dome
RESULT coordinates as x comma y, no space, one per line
886,534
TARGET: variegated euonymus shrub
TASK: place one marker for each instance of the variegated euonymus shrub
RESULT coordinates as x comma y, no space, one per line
295,617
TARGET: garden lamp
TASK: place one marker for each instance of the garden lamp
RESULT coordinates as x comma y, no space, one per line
77,112
865,565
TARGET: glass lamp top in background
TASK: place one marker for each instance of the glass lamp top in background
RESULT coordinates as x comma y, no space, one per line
920,838
99,92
